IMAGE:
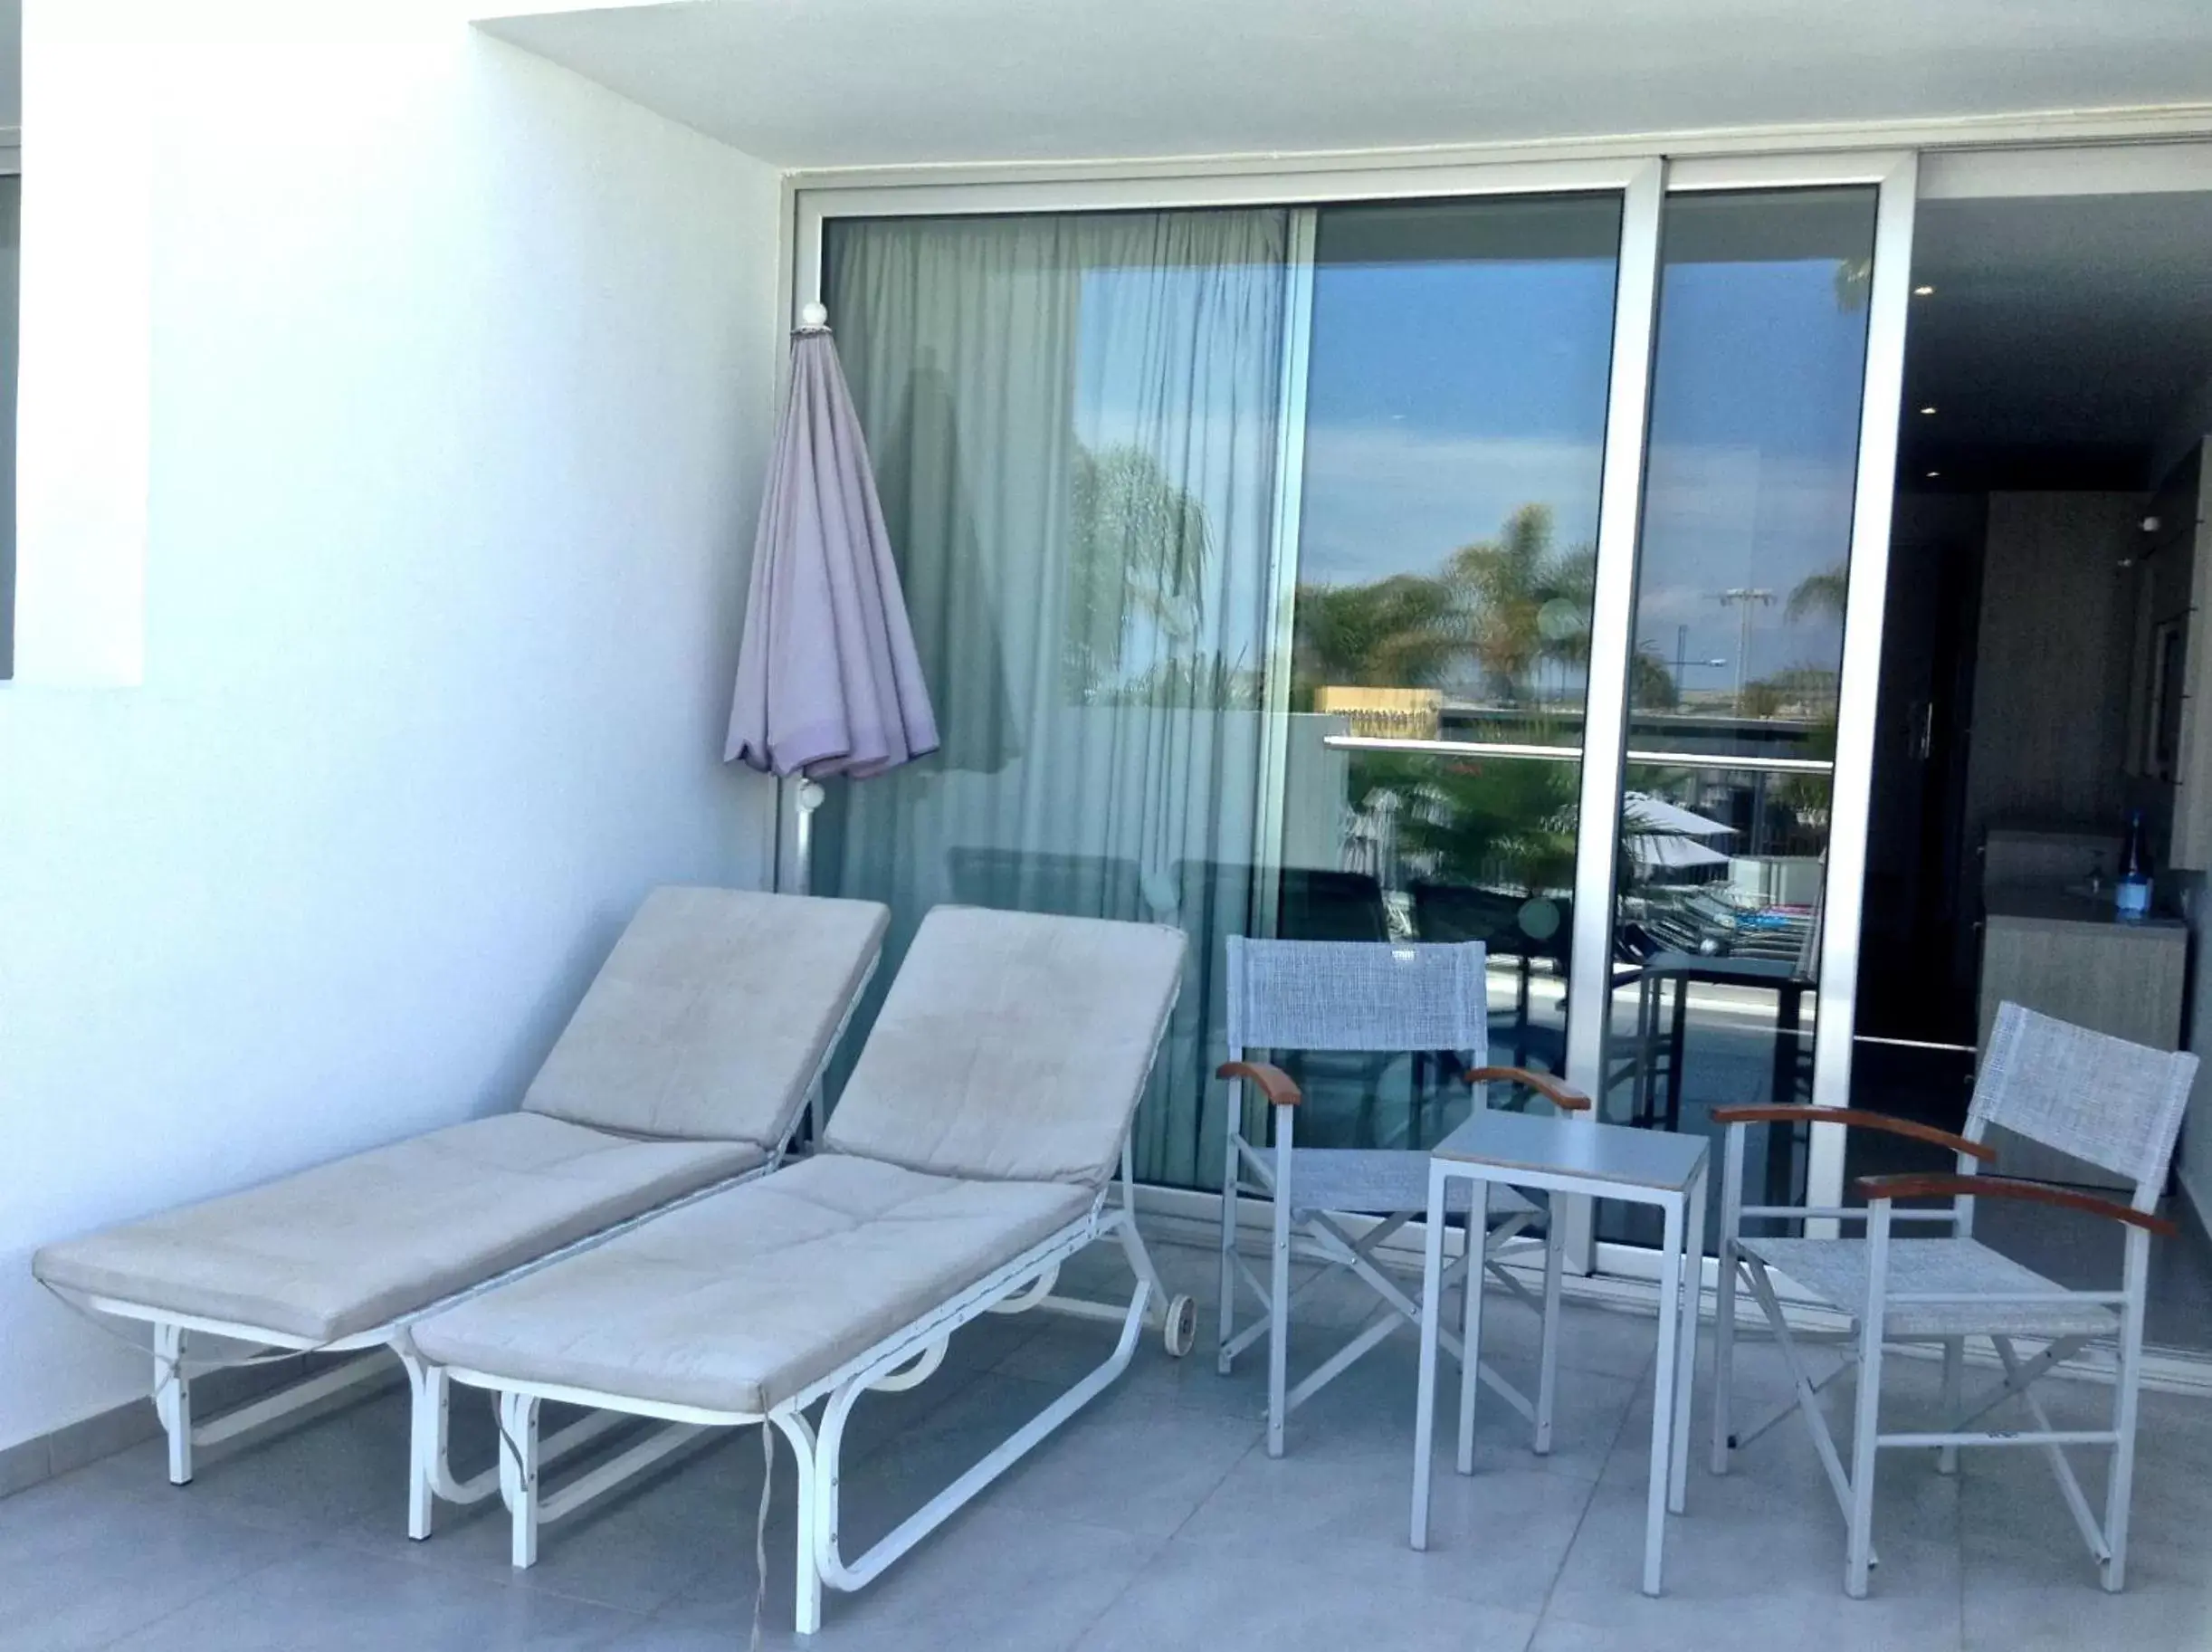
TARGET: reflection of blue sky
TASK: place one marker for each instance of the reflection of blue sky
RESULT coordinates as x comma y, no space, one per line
1443,393
1441,398
1754,443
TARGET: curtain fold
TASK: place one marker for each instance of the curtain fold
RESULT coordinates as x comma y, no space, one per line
1075,426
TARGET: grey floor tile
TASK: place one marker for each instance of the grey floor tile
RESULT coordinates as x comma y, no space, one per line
1372,1405
991,1578
1187,1597
638,1548
2148,1617
2018,1534
25,1464
80,1565
1498,1536
1755,1623
331,1599
1591,1338
314,1479
1065,1350
1739,1541
1155,1518
1123,1463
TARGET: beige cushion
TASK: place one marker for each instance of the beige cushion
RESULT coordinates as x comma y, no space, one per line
712,1016
346,1246
739,1302
1012,1046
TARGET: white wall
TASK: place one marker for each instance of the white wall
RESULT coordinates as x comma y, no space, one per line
461,379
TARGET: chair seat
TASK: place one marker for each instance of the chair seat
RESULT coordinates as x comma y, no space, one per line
346,1247
1835,1271
1384,1181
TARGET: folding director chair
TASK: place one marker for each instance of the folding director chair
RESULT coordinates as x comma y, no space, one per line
1373,998
2117,1105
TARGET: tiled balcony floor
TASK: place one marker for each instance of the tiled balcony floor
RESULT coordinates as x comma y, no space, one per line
1155,1520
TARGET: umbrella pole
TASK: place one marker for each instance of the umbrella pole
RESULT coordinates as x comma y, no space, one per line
807,798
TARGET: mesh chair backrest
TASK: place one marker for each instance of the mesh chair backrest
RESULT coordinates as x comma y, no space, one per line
2099,1098
1357,994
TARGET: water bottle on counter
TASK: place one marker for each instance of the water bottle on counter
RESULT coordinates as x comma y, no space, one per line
2132,894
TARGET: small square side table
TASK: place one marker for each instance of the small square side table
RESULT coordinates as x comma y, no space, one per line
1569,1156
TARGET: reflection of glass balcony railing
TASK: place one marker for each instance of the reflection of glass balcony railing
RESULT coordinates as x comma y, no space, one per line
1573,754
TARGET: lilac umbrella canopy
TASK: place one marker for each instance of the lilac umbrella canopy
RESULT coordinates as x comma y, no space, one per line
828,681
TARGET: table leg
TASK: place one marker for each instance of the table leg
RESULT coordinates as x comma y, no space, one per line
1425,1413
1663,1400
1648,1027
1521,1012
1686,1352
1677,1040
1548,1357
1782,1140
1471,1327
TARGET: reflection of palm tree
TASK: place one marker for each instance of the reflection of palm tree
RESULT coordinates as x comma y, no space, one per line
1402,632
1505,605
1819,594
1526,602
1141,546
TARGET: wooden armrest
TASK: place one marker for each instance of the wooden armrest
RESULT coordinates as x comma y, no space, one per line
1557,1091
1857,1120
1278,1086
1929,1185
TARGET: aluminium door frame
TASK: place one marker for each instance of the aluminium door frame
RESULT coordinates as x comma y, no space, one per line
1895,177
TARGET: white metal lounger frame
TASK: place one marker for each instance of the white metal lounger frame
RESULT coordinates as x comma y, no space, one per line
430,1475
903,1359
2115,1104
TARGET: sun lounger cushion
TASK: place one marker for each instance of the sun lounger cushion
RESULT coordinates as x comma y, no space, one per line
346,1246
707,1019
1014,1046
741,1300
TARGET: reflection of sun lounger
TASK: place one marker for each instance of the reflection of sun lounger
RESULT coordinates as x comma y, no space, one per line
967,1158
685,1066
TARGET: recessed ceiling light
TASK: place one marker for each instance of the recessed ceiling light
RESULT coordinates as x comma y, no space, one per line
1924,293
1933,474
1928,410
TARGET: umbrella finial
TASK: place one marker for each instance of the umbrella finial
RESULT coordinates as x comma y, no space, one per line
813,318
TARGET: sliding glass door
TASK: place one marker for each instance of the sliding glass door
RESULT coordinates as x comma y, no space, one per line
1489,563
1733,686
1444,569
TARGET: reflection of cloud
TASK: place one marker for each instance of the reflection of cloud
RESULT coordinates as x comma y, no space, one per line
1721,518
1382,500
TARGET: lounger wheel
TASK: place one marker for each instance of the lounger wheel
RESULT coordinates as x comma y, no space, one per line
1181,1331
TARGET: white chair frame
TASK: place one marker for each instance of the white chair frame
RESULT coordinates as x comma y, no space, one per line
1855,1487
430,1475
903,1359
1254,1172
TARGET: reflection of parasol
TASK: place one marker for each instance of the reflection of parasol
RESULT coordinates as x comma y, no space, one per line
1660,836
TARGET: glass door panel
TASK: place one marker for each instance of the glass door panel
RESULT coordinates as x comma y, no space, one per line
1738,647
1455,404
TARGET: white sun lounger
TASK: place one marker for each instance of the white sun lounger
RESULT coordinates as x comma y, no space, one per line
970,1157
685,1067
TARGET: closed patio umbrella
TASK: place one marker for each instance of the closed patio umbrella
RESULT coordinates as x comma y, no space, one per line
828,681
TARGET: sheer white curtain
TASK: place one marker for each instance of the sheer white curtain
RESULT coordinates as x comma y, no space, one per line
1074,424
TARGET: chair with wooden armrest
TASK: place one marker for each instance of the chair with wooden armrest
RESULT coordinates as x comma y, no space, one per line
1372,998
2114,1103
